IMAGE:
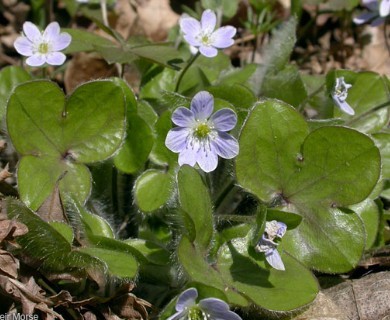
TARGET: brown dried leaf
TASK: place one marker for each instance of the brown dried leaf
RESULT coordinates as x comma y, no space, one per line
10,229
8,264
52,209
130,307
4,173
362,299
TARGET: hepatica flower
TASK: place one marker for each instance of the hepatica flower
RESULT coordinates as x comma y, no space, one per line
202,34
340,94
200,138
377,12
206,309
42,47
273,230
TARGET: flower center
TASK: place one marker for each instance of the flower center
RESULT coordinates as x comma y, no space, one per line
202,131
205,39
43,48
196,313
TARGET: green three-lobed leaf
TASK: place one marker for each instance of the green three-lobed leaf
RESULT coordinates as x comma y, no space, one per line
56,135
312,174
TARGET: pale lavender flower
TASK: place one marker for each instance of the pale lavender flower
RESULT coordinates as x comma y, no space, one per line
200,138
209,308
202,34
42,47
340,94
267,244
377,12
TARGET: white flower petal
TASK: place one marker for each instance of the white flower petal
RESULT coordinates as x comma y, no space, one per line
372,5
218,309
32,32
24,46
207,51
274,259
193,41
187,156
183,117
51,32
344,106
384,8
55,58
378,21
190,26
62,41
176,139
186,299
225,145
178,315
364,17
208,21
222,37
207,159
224,119
36,60
202,105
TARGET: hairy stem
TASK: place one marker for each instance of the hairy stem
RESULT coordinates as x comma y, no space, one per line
192,60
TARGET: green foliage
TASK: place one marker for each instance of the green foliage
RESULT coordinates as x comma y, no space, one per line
54,144
283,41
10,77
129,212
312,174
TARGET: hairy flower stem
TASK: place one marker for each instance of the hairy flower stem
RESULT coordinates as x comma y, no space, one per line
192,60
103,7
234,218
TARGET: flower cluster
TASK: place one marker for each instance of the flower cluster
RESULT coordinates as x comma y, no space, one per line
340,94
273,229
201,137
42,47
209,308
377,12
202,34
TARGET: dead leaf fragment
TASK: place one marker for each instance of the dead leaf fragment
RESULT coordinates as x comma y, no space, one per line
9,229
9,265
